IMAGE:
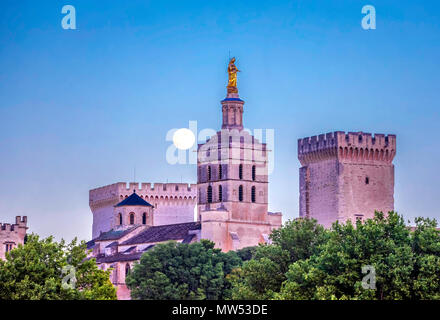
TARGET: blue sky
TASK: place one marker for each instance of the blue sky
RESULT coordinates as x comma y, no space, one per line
81,108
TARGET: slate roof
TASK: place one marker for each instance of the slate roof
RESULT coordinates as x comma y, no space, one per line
121,256
165,233
133,200
232,99
113,244
90,244
113,234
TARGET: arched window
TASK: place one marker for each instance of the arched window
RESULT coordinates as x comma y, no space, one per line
144,218
209,173
220,193
253,194
120,219
131,218
127,269
367,180
254,170
240,171
240,193
220,172
209,194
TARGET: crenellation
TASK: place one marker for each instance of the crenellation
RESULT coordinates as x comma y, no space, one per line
11,235
171,201
350,147
346,176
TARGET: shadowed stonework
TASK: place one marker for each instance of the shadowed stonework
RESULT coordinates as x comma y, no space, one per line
346,176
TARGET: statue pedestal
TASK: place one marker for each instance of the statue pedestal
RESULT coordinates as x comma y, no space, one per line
232,89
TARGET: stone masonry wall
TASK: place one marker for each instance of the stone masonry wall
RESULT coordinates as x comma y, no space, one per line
12,235
346,176
173,202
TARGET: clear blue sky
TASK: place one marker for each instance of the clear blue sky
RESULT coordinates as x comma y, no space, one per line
80,108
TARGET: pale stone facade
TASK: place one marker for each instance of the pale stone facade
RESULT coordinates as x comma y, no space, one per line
173,202
11,235
232,177
132,233
346,176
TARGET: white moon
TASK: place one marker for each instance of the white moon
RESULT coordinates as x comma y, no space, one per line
183,139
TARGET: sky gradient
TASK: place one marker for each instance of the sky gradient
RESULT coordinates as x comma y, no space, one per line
81,108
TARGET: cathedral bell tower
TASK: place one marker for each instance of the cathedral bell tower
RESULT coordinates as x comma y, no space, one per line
232,180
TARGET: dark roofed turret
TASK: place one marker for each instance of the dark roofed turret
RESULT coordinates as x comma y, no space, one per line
133,200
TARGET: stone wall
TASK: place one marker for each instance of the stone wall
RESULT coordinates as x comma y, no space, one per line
173,202
11,235
346,176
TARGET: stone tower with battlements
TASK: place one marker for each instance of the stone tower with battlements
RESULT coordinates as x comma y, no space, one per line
232,180
172,202
11,235
346,176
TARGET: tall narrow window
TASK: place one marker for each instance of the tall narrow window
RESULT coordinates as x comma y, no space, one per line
209,173
254,173
120,219
220,172
220,193
209,194
240,171
367,180
144,218
240,193
131,218
127,269
253,194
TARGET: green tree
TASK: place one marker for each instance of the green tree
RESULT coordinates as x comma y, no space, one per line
34,271
406,263
182,271
262,277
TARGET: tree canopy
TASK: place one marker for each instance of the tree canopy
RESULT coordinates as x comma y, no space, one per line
182,271
36,270
307,262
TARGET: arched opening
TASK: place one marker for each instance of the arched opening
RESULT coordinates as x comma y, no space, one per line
120,219
209,194
144,218
132,218
220,193
127,269
240,193
253,194
209,173
254,173
220,172
240,171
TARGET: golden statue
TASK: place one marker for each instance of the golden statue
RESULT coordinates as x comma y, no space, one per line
232,71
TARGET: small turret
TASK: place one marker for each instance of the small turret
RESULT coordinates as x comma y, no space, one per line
11,235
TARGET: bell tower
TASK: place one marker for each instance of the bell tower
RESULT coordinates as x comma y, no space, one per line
232,180
232,108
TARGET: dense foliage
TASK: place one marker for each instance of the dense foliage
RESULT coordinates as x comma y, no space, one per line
308,262
34,271
262,277
182,271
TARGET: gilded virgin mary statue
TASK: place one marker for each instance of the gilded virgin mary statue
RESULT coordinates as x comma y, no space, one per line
232,71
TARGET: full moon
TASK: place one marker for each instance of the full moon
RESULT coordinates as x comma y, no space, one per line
183,139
